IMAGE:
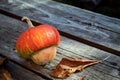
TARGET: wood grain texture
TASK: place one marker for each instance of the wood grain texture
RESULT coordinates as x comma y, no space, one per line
84,24
19,73
11,28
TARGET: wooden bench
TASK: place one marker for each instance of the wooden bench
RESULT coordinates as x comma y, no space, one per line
84,34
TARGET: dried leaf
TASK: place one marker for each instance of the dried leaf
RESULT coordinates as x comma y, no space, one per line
6,75
2,60
81,78
68,66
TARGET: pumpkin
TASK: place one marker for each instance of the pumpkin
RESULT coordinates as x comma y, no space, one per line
38,43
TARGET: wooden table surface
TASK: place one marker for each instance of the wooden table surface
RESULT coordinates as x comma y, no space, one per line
84,34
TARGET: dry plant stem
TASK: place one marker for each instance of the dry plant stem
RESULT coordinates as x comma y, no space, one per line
30,25
105,58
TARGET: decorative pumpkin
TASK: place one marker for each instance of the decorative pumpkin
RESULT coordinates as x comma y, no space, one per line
38,43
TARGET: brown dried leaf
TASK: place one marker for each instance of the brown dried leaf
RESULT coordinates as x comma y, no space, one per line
6,75
2,60
68,66
81,78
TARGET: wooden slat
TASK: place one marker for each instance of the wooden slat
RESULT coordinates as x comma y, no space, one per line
11,28
101,31
85,16
19,73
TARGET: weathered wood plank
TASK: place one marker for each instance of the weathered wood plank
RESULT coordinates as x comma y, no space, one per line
100,71
19,73
93,27
67,48
89,17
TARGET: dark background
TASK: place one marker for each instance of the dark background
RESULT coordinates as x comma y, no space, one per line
106,7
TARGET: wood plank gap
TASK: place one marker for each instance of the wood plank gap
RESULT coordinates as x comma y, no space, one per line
43,76
85,41
82,22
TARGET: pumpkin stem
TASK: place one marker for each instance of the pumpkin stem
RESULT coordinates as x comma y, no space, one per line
30,25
